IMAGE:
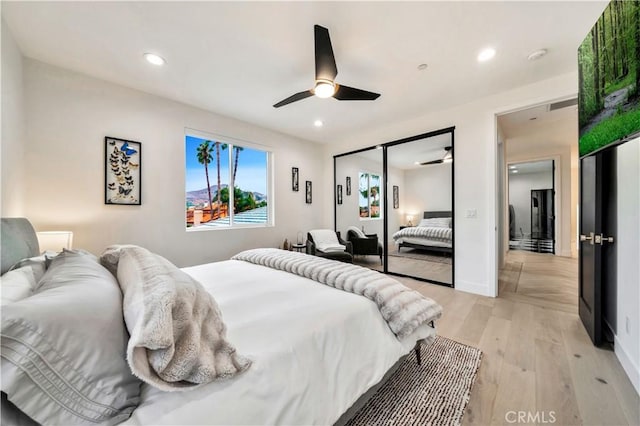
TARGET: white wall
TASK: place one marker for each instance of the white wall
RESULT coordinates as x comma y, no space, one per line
397,216
475,169
520,186
627,339
428,189
13,127
69,115
557,141
347,213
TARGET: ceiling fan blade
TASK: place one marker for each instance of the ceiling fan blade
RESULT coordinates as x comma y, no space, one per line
325,61
346,93
428,163
297,97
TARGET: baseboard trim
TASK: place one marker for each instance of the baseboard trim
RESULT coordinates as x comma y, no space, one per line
627,363
475,288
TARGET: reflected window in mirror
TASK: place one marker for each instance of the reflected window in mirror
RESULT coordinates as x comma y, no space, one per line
369,206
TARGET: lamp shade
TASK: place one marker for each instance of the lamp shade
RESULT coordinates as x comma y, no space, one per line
55,240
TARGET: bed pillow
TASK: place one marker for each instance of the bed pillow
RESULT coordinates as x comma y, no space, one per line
436,222
20,281
63,348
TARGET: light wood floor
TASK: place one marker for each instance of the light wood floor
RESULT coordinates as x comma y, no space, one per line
436,271
535,358
543,280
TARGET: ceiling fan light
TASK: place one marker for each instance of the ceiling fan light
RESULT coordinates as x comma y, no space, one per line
324,89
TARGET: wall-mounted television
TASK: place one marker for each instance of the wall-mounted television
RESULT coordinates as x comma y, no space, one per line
609,73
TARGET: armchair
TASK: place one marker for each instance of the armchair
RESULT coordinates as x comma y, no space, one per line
326,244
364,244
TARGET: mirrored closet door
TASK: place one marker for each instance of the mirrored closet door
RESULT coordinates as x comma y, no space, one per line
394,202
420,208
359,204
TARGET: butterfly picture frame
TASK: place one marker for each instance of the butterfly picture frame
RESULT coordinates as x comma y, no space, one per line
122,171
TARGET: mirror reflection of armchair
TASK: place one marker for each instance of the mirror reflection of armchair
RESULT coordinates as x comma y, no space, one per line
364,244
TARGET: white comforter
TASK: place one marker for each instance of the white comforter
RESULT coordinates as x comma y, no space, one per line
315,350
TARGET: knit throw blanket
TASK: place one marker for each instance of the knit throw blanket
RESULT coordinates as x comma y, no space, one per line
432,233
403,309
178,339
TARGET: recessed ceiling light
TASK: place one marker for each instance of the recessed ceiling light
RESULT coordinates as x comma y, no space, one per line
417,163
318,123
537,54
154,59
422,67
486,54
512,167
514,171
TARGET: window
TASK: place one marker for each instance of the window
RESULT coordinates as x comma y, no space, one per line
369,195
213,167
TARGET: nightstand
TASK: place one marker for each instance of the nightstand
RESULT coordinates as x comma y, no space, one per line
299,247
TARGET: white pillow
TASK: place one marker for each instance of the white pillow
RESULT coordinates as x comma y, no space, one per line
436,222
20,281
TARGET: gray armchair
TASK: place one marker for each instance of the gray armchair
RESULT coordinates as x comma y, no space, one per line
342,256
367,245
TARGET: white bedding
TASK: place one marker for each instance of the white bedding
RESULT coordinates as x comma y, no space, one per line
423,242
315,350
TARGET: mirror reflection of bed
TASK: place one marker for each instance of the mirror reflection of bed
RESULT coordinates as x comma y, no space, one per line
424,250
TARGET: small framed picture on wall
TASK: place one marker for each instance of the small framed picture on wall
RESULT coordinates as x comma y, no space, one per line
348,185
294,179
339,194
308,192
122,165
396,197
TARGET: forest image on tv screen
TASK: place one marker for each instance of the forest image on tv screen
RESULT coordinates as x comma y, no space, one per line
609,72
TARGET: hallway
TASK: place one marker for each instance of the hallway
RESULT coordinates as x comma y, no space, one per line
542,280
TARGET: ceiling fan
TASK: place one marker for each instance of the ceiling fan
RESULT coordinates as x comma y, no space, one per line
326,72
446,159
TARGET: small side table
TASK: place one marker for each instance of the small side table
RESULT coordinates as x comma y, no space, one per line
299,247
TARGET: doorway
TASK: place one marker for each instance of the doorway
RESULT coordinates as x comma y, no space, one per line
538,183
531,200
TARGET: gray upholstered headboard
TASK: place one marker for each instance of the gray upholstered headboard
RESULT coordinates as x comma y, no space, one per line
19,240
432,215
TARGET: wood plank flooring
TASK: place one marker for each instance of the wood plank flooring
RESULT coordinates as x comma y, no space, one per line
537,357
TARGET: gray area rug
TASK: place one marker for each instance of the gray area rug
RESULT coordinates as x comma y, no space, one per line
434,393
410,253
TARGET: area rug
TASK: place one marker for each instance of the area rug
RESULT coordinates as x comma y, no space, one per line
434,393
420,255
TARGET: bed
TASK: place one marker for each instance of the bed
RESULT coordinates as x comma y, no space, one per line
433,233
317,369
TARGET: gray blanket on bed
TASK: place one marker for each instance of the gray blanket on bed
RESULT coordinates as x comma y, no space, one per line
431,233
403,309
178,339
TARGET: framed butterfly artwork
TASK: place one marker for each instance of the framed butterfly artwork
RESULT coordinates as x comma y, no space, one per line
122,171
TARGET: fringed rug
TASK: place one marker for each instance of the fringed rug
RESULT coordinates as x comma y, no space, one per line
434,393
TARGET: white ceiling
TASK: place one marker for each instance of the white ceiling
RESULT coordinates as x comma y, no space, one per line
531,167
239,58
541,116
